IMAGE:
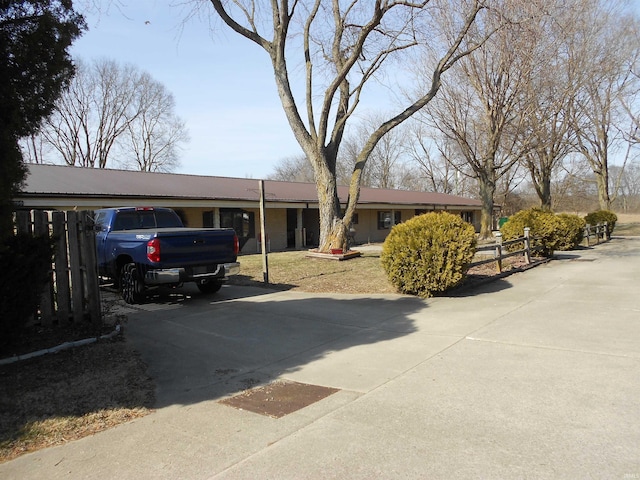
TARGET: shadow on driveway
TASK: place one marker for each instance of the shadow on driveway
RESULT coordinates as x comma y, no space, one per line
207,347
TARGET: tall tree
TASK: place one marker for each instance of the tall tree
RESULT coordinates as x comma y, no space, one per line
546,101
435,158
155,134
603,45
385,165
477,111
35,66
114,115
293,169
342,46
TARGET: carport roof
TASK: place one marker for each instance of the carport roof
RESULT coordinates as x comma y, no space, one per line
75,182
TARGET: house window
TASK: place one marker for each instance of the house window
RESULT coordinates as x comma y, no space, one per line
467,216
384,220
241,221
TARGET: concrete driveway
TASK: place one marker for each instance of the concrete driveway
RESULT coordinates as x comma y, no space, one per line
533,376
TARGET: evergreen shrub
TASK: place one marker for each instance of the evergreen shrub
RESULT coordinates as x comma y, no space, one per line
543,224
429,253
601,216
573,231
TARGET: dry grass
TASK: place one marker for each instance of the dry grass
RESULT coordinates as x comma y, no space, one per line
295,271
628,224
57,398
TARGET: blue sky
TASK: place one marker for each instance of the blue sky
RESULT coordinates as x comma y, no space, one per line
222,84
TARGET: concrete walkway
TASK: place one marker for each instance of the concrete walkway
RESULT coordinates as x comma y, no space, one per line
534,376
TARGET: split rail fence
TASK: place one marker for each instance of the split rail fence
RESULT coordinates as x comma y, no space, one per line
501,249
72,293
599,232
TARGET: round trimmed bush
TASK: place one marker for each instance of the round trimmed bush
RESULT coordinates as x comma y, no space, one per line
543,224
573,231
429,253
601,216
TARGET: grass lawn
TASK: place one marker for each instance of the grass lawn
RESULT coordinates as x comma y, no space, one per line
294,270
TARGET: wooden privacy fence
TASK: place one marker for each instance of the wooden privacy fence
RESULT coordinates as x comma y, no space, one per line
72,293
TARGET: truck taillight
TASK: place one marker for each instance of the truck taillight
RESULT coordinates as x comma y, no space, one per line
236,245
153,250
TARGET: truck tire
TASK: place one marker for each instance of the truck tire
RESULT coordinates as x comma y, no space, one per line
131,287
209,287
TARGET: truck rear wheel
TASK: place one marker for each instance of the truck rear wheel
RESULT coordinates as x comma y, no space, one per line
209,287
131,287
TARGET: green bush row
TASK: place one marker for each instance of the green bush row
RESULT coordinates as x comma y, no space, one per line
550,232
554,232
26,262
429,253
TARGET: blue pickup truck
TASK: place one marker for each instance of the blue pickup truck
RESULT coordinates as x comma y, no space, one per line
144,247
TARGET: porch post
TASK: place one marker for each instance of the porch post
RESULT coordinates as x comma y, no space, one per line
299,229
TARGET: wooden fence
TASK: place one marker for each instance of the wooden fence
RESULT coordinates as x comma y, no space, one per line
500,249
599,232
72,293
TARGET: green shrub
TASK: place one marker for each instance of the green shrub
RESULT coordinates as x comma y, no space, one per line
544,225
25,261
429,253
573,231
601,216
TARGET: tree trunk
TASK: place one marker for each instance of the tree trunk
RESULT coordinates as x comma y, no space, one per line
333,231
602,181
544,192
487,192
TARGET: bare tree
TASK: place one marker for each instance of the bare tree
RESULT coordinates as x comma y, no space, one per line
606,70
293,169
385,165
547,98
342,46
434,158
116,114
155,133
477,111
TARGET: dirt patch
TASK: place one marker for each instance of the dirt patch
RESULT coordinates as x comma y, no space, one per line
279,398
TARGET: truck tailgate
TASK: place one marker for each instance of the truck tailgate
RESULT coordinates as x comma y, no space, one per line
187,247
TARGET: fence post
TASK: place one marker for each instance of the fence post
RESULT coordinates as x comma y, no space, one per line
587,233
77,285
88,246
23,222
63,287
527,245
41,229
606,232
498,252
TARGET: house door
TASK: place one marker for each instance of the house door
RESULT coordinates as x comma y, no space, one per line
292,224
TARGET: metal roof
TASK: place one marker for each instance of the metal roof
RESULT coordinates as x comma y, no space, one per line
70,182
